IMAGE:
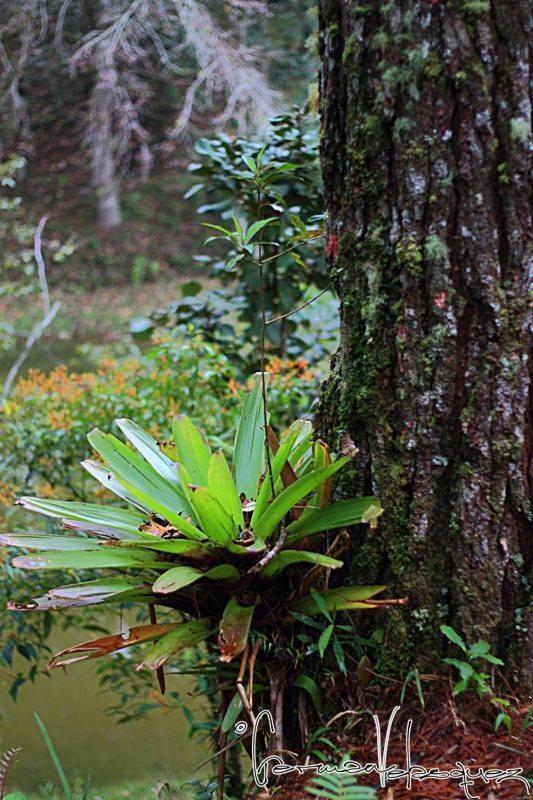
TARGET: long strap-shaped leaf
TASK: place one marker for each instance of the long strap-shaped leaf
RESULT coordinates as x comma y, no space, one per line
181,523
337,515
108,479
249,455
138,476
288,557
216,523
222,486
278,462
292,495
105,558
186,635
45,541
108,516
149,449
192,449
95,648
341,599
104,590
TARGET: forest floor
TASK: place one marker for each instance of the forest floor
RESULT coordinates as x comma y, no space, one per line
447,731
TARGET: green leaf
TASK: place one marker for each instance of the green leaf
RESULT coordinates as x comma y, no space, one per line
323,641
278,462
189,634
339,655
288,557
234,629
116,518
320,604
107,558
336,515
108,479
54,758
222,486
309,685
232,713
479,649
501,718
256,227
88,593
492,659
149,449
135,474
341,599
45,541
292,495
250,163
192,449
179,577
176,578
179,547
249,453
453,637
466,670
216,523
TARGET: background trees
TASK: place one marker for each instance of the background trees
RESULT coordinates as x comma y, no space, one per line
129,52
425,111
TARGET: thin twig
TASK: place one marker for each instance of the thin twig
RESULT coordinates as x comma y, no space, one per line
270,555
240,686
294,247
36,333
300,308
263,337
41,269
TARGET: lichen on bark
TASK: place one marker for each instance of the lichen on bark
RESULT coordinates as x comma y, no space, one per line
425,173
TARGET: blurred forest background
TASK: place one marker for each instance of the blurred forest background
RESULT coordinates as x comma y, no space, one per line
122,128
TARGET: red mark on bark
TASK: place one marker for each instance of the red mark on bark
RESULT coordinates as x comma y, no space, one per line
439,299
402,332
332,247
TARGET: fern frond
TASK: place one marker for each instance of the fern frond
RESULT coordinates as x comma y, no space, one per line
6,762
339,786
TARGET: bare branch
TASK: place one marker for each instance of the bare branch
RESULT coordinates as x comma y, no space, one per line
49,313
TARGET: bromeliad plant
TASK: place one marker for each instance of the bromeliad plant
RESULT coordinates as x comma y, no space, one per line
229,549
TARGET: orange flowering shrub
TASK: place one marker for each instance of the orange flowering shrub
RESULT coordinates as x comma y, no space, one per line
43,427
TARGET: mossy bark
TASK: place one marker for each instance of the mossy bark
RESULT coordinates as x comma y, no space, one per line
425,118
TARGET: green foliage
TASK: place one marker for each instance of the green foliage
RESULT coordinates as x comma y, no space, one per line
471,678
339,786
471,675
276,185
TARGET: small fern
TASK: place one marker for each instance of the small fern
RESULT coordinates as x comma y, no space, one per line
339,786
6,762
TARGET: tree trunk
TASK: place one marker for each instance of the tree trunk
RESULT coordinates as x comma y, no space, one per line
426,114
104,169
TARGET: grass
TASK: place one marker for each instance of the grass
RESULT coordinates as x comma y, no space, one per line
135,790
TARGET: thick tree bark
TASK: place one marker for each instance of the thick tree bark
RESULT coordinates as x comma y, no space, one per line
426,120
